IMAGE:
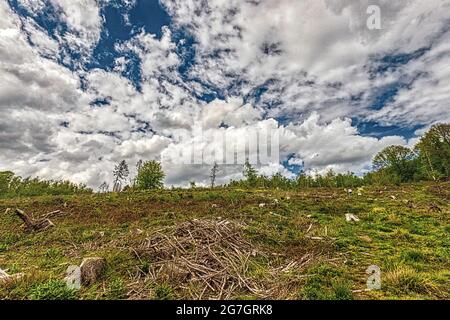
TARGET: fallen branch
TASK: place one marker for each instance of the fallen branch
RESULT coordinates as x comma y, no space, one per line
52,214
34,225
7,279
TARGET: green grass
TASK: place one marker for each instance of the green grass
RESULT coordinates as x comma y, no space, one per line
407,237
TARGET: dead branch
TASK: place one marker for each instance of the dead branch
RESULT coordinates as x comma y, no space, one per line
34,225
209,259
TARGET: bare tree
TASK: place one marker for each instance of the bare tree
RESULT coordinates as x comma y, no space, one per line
104,187
213,176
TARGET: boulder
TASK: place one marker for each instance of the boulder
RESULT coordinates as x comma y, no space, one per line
92,269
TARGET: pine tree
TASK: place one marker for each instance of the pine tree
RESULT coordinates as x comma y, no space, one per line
120,173
213,176
250,174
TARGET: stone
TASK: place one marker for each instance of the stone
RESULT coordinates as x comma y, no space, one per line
92,269
351,217
73,278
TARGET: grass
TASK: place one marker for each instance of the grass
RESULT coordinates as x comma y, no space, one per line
407,236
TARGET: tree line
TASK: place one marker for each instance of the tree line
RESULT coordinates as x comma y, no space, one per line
428,160
14,186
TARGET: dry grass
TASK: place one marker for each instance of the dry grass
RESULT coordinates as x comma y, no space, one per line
404,279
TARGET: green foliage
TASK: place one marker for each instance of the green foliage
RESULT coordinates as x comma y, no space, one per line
164,292
116,290
326,284
52,290
250,174
434,152
150,176
13,186
396,161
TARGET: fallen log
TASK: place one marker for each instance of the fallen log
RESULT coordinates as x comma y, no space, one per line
34,225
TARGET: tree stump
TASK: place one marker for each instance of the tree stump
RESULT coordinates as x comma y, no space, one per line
92,269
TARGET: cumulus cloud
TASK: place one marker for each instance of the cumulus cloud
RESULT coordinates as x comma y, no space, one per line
303,69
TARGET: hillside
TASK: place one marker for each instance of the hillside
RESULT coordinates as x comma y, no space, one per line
235,244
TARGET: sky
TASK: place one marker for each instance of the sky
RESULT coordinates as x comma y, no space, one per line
85,84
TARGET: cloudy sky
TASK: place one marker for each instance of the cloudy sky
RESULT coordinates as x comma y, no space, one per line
87,83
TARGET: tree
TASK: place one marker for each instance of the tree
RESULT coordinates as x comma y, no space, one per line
213,176
434,152
396,160
138,167
5,180
120,173
250,174
150,176
104,187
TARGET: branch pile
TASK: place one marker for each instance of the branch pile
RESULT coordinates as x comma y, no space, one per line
208,259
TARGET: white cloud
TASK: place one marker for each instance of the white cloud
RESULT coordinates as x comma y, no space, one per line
313,58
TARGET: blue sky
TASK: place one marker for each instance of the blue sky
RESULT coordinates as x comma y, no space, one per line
105,80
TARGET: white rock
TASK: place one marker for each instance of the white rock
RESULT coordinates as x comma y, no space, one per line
351,217
262,205
73,278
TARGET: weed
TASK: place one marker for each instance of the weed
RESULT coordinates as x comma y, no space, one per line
164,292
115,289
